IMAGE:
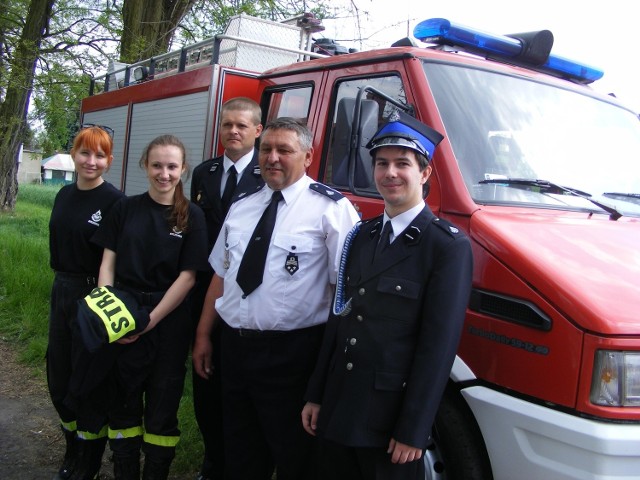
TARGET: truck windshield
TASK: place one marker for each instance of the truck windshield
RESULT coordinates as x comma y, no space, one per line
507,127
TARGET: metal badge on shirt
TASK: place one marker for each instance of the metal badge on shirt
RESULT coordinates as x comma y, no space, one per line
226,262
291,264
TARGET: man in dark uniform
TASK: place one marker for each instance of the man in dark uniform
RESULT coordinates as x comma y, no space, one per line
213,186
398,313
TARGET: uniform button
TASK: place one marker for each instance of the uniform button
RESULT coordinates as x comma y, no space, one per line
359,318
398,288
404,384
349,366
353,341
362,291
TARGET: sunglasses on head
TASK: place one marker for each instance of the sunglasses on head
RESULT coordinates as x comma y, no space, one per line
109,130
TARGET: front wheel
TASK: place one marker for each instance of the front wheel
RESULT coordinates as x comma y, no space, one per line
458,451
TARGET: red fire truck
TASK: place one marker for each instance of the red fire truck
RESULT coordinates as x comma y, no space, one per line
539,170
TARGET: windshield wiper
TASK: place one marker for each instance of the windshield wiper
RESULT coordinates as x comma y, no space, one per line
625,197
550,187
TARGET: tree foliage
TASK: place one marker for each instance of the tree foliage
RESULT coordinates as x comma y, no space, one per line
82,36
17,90
149,25
53,47
210,17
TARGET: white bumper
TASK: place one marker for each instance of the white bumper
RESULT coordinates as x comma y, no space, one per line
529,442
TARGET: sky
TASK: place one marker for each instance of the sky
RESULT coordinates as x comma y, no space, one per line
602,34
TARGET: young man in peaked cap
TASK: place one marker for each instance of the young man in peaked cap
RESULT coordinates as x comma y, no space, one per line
398,312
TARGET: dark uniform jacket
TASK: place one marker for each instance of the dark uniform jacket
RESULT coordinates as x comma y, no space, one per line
384,366
205,190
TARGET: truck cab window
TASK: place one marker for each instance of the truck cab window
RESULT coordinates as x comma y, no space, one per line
530,130
293,102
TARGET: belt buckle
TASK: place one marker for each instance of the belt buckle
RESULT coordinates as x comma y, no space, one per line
147,298
248,333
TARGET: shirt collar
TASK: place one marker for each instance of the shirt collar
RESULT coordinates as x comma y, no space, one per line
240,165
400,222
292,191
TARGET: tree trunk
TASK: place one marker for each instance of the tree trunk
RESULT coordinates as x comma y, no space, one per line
13,111
148,27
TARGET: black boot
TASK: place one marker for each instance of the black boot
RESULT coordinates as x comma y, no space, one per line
89,459
70,456
156,468
126,457
126,468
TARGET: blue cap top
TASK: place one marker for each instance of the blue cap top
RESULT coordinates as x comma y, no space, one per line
405,131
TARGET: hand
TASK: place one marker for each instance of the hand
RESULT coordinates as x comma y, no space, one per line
402,453
201,355
127,340
310,417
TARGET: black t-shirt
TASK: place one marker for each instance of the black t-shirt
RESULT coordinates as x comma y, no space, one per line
75,217
149,253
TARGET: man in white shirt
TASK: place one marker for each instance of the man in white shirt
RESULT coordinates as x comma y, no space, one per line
271,332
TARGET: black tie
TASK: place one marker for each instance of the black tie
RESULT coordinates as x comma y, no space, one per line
385,236
251,268
229,187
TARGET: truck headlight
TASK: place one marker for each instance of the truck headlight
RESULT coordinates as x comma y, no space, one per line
616,379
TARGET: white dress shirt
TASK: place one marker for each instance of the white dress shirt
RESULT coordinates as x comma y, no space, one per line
309,231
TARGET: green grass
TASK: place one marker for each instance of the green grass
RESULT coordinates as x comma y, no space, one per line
25,286
25,276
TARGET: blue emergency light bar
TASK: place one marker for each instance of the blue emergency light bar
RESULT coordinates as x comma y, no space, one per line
507,48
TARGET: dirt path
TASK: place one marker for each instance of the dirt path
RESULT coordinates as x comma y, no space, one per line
31,443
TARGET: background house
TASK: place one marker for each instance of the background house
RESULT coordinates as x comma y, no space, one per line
58,169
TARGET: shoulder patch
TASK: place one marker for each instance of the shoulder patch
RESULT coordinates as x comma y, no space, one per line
448,227
326,191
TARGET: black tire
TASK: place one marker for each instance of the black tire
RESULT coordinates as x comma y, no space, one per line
458,451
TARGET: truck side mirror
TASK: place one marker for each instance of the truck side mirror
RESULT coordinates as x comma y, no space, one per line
343,154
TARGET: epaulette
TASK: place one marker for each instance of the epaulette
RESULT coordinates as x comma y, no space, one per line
326,191
245,194
450,228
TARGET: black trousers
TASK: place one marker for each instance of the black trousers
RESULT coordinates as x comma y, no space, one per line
264,377
338,462
67,289
150,392
207,394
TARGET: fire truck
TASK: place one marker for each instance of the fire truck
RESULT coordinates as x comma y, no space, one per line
540,171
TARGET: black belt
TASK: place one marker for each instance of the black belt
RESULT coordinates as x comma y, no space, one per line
150,299
250,333
78,279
